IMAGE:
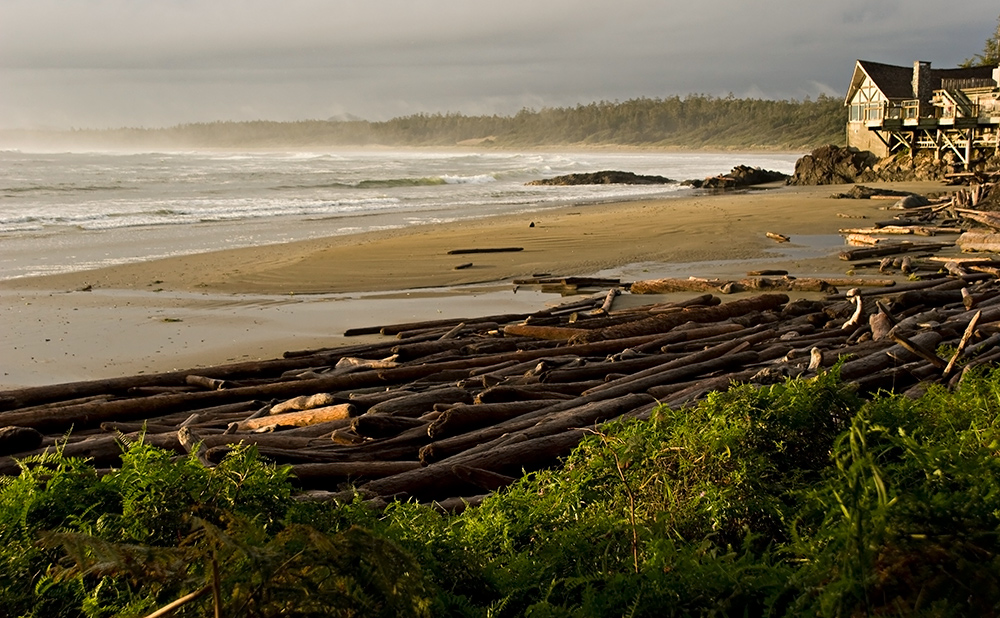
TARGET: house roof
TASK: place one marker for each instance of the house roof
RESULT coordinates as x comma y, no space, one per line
896,82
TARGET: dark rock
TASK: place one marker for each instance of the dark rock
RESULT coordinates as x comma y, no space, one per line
912,201
607,177
830,165
740,176
860,192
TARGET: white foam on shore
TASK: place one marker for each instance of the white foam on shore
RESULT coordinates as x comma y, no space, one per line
71,211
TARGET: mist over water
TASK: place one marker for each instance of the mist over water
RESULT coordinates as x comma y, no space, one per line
73,211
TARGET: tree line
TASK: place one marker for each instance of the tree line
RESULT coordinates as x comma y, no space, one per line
693,121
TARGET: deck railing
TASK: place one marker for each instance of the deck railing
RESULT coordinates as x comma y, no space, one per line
966,84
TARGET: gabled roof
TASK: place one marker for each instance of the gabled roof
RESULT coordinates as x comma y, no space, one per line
896,82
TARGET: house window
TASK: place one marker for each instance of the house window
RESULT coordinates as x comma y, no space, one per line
856,112
873,111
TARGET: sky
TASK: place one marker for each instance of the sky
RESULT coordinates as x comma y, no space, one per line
155,63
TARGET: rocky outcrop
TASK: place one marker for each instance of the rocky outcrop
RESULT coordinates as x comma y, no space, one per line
837,165
607,177
740,176
832,165
902,168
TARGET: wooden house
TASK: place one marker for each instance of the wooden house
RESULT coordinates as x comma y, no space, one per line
895,109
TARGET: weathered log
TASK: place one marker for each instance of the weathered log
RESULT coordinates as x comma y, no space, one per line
351,363
486,250
685,396
667,392
919,350
979,241
805,284
881,324
891,249
383,425
215,454
964,341
865,240
703,361
507,394
449,446
609,300
319,430
559,333
304,402
301,418
669,285
102,450
420,403
484,479
365,400
19,439
394,329
665,322
192,443
454,506
406,352
439,480
989,219
464,418
212,384
143,426
24,397
878,361
598,370
918,230
680,344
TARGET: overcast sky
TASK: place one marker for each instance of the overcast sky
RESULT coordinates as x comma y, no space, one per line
109,63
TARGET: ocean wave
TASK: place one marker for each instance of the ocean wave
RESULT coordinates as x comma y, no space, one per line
479,179
400,182
60,188
200,211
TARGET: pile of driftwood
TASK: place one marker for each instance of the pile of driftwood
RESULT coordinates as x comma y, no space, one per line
450,410
924,218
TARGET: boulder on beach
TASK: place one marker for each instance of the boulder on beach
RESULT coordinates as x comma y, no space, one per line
832,165
607,177
740,176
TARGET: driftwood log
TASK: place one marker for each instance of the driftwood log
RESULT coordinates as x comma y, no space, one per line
448,410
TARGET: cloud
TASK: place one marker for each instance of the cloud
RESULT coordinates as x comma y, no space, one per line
111,62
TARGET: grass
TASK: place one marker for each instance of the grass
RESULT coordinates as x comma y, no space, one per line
795,499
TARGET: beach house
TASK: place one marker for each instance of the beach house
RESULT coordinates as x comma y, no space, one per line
895,109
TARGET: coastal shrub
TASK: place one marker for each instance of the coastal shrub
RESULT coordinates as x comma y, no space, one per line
800,498
908,517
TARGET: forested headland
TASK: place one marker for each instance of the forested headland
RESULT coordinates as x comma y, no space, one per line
691,122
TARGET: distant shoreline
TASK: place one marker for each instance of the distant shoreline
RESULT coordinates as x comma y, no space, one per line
693,122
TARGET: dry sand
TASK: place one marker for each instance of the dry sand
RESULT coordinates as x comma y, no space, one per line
257,302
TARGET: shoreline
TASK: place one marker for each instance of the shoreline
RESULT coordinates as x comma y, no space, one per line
255,303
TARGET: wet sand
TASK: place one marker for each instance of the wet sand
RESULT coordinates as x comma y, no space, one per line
257,302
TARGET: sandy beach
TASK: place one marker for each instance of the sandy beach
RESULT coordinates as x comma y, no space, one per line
258,302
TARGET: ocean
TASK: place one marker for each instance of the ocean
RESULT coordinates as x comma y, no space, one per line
62,212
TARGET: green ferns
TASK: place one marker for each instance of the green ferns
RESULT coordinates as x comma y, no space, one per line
795,499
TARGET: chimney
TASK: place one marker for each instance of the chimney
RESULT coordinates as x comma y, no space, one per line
922,81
